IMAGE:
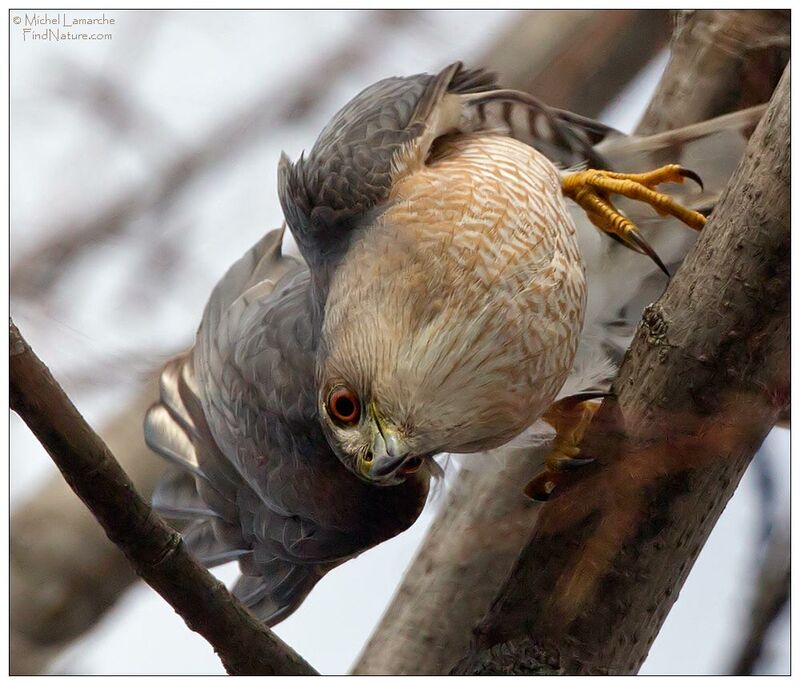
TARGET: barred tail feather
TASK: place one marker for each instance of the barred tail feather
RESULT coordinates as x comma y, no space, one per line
565,138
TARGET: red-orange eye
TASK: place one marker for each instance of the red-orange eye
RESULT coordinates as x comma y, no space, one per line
343,405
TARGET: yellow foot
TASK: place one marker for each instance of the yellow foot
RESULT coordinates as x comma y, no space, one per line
570,417
591,189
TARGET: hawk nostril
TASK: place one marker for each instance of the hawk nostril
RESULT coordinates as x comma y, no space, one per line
368,457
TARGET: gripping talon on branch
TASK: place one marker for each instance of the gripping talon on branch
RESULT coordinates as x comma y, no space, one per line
591,189
570,417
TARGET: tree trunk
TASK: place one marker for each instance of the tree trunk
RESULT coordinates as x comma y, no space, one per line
703,383
721,61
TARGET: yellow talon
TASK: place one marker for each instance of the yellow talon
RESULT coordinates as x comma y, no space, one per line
570,417
591,190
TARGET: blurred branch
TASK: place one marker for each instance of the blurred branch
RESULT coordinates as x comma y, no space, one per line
244,645
110,102
34,273
772,595
577,59
110,94
721,61
479,533
692,404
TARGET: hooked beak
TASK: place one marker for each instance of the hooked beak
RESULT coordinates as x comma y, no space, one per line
389,452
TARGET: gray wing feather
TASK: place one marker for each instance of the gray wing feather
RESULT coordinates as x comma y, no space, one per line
213,543
194,409
257,477
274,589
349,172
165,435
175,496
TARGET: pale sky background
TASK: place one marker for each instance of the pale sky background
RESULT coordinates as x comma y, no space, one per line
186,71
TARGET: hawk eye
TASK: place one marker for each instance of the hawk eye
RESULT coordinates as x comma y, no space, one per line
343,405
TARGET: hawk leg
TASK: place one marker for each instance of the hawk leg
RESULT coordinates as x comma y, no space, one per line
570,417
591,189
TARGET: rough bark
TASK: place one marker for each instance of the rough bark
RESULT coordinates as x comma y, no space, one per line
702,384
458,570
480,531
244,645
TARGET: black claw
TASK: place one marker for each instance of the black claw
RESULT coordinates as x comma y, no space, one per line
620,241
588,395
574,463
688,173
635,238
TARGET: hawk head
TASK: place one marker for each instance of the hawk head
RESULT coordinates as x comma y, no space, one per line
414,362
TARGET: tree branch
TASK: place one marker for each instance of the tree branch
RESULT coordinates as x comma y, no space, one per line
244,645
702,384
57,544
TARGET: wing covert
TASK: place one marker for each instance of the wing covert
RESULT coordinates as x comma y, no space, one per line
390,129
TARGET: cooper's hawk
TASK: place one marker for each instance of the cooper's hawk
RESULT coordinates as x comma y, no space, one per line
438,309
